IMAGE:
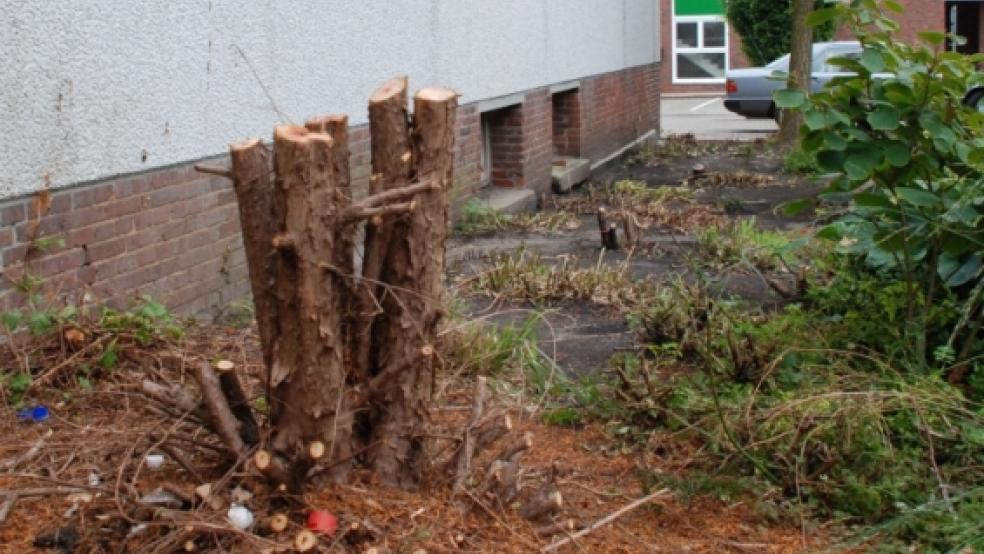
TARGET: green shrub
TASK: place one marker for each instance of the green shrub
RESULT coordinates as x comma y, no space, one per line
904,150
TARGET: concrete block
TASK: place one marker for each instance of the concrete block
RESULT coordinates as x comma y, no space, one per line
508,200
567,172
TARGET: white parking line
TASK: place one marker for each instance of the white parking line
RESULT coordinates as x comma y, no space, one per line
704,105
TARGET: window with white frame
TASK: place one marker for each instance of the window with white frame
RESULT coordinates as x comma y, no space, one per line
700,49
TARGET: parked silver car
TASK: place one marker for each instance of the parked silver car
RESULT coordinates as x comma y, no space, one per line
750,90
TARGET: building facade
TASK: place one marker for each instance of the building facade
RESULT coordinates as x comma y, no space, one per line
110,103
699,44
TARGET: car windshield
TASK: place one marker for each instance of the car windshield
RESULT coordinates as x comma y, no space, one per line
781,62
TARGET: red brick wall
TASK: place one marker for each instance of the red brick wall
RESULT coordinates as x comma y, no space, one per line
506,132
173,234
618,108
567,123
537,139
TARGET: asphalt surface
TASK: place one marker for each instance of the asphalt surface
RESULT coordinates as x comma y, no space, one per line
706,118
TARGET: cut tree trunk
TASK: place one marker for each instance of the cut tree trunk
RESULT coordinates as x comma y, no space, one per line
390,147
336,342
251,179
307,373
413,268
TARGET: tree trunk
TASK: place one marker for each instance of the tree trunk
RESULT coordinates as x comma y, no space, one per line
414,269
307,374
337,343
254,194
800,75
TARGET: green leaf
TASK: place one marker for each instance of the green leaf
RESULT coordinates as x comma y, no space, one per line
40,322
830,161
957,271
109,359
815,120
917,197
873,60
85,383
11,319
873,200
884,119
796,207
933,38
830,232
789,98
897,153
834,141
19,382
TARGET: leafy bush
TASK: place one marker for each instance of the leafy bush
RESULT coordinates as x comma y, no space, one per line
765,27
907,154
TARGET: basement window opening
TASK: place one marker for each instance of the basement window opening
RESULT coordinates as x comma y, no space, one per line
566,114
502,147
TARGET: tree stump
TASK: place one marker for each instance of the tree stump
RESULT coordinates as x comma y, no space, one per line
413,268
337,343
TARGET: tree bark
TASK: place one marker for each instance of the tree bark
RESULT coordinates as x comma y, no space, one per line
413,268
251,179
389,128
307,374
800,74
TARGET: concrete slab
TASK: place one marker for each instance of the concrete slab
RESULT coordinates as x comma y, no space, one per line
508,200
567,172
707,118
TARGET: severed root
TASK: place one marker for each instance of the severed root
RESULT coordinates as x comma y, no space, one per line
608,229
463,460
305,541
238,403
631,228
566,526
513,451
277,523
546,501
226,424
272,466
502,481
492,429
176,396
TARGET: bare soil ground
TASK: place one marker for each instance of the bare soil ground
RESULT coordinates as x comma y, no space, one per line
89,473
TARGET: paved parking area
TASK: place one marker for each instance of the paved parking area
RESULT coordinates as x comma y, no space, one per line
706,118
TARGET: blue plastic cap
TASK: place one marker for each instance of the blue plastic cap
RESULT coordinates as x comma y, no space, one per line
36,414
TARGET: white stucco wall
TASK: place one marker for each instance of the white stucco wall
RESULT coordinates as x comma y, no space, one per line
95,88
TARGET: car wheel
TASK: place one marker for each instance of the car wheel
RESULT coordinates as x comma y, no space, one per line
777,114
975,99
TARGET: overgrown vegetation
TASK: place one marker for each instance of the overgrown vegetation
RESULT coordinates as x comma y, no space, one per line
49,343
477,218
860,398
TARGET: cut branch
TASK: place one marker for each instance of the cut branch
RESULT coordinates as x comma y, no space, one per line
606,520
226,424
213,170
232,389
463,460
393,195
358,213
